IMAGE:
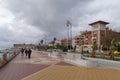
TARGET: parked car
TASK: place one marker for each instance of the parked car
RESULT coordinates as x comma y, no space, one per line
49,50
116,52
86,50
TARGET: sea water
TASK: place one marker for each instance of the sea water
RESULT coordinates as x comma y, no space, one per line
1,57
8,55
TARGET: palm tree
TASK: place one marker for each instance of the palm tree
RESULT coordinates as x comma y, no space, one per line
40,45
94,47
53,42
54,39
41,42
113,47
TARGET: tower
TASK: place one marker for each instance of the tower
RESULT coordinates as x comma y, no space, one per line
98,29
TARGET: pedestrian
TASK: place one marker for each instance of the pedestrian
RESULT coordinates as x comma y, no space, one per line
22,52
26,52
29,53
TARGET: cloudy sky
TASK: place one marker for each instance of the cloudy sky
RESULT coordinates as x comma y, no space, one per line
28,21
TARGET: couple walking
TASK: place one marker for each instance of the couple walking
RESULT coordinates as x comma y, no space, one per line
27,52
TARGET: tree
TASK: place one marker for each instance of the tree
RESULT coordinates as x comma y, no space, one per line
53,42
94,47
63,48
41,46
41,42
113,47
82,43
54,39
118,46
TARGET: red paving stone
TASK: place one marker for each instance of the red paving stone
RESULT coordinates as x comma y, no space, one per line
17,71
62,63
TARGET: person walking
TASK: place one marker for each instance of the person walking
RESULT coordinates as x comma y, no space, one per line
29,53
22,52
26,52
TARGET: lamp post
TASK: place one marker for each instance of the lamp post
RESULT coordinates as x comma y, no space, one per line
69,33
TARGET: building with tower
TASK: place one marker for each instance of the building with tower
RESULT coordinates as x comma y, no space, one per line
101,34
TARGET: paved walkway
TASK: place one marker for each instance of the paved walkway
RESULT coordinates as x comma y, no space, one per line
42,67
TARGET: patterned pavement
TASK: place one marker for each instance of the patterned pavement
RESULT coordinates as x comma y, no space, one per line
42,67
16,70
74,73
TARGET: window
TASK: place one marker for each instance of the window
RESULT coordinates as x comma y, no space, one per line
94,35
102,34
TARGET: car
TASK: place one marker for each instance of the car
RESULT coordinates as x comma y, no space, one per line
49,50
116,52
86,50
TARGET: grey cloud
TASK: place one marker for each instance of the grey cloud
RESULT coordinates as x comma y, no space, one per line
48,15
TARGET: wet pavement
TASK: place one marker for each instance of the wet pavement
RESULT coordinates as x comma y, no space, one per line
43,67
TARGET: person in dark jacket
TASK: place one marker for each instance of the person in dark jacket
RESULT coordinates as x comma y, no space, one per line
22,52
29,53
26,52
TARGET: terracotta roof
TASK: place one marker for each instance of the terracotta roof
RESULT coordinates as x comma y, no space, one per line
99,22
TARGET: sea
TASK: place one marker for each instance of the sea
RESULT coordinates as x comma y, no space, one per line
1,58
7,51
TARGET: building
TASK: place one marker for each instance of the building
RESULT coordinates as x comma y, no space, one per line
57,42
77,40
101,34
109,36
87,38
19,46
50,44
98,33
64,42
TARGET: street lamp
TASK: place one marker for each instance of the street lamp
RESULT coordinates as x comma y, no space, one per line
69,33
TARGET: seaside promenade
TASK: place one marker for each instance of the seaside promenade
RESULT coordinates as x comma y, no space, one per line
43,67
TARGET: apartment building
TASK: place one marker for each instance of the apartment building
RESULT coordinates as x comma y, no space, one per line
101,34
65,42
77,40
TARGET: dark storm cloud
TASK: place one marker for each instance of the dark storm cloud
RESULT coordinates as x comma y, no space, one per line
28,21
49,16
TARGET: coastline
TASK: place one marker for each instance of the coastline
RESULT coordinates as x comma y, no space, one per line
7,55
